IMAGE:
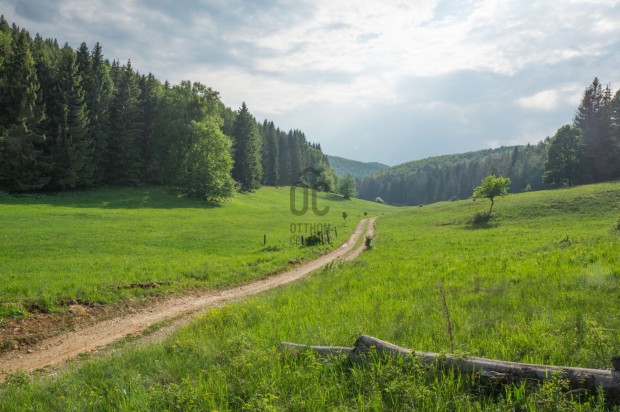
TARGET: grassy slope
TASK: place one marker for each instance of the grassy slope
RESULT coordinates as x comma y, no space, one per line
516,291
93,246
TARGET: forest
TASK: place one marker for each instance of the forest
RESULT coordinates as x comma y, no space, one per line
72,119
585,152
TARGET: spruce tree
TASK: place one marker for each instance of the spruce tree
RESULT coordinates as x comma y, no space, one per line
247,170
98,89
23,163
270,154
285,175
5,50
70,144
150,90
593,117
124,163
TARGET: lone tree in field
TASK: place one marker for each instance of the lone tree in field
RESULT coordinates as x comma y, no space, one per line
490,188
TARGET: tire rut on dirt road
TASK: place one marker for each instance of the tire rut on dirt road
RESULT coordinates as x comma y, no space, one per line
56,350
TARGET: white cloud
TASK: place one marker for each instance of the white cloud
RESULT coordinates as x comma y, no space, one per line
545,100
290,60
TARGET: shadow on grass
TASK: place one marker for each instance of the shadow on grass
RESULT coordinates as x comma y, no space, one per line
480,226
152,197
481,220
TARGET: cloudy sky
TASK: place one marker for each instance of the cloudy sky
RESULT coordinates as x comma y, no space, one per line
386,81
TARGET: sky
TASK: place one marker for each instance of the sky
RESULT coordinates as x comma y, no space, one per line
387,81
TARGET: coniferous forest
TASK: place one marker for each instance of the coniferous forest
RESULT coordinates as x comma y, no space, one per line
73,119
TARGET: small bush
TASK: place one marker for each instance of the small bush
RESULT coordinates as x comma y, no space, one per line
368,242
379,200
618,225
312,240
454,199
480,218
344,215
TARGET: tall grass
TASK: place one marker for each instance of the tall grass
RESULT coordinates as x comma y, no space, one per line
101,246
515,291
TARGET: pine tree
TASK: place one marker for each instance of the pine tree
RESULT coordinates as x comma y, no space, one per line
270,154
285,170
593,117
5,50
84,62
70,144
150,89
98,89
23,163
294,154
247,170
124,163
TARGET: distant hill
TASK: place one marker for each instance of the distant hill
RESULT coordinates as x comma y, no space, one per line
455,176
358,169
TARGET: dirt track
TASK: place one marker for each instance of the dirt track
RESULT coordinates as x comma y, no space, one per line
56,350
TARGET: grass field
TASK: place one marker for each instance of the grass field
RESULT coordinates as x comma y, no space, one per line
539,284
101,246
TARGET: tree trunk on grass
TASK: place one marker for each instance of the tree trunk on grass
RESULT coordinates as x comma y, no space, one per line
499,370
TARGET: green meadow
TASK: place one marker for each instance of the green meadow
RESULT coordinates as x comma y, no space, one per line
539,283
102,246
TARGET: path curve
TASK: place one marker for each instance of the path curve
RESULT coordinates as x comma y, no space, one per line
67,345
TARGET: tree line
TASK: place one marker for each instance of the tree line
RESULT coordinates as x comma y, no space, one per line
452,177
73,119
588,151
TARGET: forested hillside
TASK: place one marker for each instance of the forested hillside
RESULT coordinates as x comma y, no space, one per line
72,119
455,176
588,151
342,167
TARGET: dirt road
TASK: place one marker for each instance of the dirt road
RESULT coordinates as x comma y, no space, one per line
56,350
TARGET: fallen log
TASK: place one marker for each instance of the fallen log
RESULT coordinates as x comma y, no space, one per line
296,348
578,378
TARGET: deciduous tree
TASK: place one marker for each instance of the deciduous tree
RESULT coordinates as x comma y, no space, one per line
346,186
492,187
565,156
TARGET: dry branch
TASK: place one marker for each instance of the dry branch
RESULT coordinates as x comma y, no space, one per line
578,378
